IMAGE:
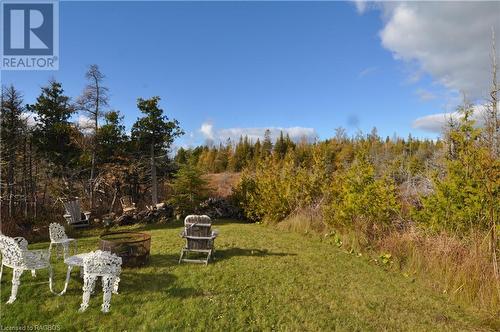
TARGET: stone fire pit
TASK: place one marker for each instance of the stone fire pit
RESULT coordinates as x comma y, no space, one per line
132,247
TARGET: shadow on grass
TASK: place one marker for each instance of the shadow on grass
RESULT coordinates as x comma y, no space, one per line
162,260
222,254
171,223
135,282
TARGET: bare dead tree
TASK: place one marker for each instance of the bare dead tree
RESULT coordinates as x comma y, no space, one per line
492,138
92,101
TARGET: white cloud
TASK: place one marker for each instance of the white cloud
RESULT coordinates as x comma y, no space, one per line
449,40
222,135
361,6
207,130
436,123
29,117
367,71
85,123
425,95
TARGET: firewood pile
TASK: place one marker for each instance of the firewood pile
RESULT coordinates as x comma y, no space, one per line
146,216
217,207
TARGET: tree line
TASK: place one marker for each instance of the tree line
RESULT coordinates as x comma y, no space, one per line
45,156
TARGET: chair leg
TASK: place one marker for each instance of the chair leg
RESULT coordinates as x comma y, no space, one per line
115,285
65,247
182,254
16,280
33,273
1,272
50,250
107,285
208,257
51,279
88,283
68,276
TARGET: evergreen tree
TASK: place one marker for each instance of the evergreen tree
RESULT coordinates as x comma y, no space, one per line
267,145
12,132
189,189
181,157
459,200
281,146
112,139
153,134
54,136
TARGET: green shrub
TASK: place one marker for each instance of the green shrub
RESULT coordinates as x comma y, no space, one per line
357,198
189,189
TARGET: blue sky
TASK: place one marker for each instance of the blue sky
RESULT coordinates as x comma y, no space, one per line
238,65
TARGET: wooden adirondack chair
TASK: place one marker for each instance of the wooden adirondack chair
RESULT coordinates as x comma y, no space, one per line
127,205
74,215
199,238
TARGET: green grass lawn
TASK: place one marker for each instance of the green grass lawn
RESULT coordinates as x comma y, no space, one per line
262,279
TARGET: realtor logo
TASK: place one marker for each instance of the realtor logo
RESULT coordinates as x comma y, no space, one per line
30,35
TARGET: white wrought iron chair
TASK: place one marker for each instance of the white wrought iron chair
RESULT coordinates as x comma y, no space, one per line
59,239
199,238
15,254
127,205
102,264
74,215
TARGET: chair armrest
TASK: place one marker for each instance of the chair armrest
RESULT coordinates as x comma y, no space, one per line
87,214
215,233
22,242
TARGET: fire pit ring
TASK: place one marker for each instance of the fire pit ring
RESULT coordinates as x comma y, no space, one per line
132,247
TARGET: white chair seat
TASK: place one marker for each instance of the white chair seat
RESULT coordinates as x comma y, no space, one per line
62,241
75,260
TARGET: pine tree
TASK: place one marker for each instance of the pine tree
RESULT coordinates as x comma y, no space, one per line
12,129
267,145
189,189
112,139
153,134
54,136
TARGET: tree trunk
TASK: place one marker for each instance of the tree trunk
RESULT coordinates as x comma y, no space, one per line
154,181
94,145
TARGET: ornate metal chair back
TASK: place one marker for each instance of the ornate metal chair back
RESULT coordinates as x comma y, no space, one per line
57,232
12,253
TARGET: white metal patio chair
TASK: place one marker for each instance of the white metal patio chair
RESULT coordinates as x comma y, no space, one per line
15,254
199,238
74,215
59,239
102,264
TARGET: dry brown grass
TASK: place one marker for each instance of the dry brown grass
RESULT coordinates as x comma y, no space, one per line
307,220
460,268
222,183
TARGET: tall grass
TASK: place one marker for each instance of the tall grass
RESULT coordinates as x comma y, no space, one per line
458,267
